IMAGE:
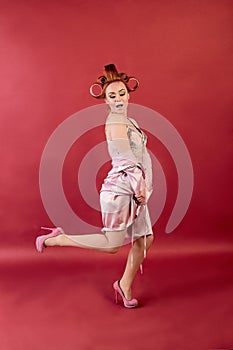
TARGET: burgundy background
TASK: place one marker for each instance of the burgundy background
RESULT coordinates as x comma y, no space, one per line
181,51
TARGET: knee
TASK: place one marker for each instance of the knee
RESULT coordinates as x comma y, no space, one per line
149,241
140,242
112,250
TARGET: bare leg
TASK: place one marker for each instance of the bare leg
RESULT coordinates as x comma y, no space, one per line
109,242
133,264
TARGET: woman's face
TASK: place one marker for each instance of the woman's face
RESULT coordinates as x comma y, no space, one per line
117,97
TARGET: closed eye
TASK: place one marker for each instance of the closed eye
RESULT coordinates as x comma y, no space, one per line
122,92
111,95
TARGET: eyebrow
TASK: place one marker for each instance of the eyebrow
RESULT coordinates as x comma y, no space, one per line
113,92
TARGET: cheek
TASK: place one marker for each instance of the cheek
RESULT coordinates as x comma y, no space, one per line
110,102
126,97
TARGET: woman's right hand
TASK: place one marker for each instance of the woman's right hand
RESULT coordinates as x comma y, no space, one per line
141,197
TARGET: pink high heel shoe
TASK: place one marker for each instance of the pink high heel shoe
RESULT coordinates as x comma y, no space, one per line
41,239
127,303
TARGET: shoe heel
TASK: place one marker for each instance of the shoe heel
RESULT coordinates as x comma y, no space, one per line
53,230
116,296
127,303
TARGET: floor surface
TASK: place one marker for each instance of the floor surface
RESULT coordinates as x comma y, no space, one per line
63,300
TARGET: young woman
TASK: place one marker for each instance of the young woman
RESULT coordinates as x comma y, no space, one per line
126,189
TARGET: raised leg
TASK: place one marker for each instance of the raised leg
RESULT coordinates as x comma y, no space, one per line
109,242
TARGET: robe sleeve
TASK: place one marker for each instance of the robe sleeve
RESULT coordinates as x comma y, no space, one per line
123,158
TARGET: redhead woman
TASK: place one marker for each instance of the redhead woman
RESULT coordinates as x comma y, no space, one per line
126,189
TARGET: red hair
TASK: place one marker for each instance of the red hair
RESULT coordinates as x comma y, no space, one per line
110,75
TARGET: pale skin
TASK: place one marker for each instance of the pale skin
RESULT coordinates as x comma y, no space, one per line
110,242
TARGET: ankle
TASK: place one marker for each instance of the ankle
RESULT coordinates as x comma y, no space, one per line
126,290
53,241
125,286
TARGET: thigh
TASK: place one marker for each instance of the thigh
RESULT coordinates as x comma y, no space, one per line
116,211
140,243
115,238
141,226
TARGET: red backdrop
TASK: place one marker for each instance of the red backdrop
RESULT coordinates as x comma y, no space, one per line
51,51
